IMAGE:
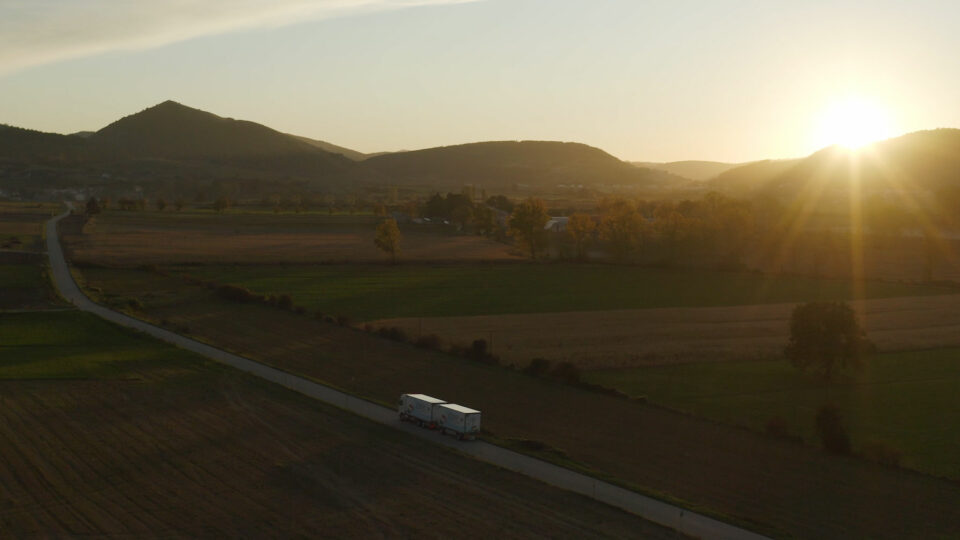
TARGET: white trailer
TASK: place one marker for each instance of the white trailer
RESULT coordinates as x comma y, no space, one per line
463,422
419,408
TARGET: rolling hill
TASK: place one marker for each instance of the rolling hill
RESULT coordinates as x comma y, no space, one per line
332,148
506,163
694,170
924,161
172,131
26,145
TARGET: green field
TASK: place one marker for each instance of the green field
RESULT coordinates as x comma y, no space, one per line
72,345
24,285
367,292
17,276
907,401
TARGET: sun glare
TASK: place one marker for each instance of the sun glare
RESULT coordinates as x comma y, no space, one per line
853,122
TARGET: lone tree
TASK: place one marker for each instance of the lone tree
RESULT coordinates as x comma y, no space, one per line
826,337
527,224
387,238
221,203
93,206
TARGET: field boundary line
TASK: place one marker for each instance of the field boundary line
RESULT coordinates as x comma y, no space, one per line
680,519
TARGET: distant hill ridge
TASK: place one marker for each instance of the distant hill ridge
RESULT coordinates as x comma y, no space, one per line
172,130
332,148
922,160
173,141
692,169
495,163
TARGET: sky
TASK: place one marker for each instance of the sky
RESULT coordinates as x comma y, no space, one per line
656,80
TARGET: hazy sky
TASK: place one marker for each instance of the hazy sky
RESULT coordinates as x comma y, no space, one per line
644,80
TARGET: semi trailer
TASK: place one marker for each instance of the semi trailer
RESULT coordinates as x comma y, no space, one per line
419,408
463,422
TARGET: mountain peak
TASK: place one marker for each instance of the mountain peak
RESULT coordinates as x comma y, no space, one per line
169,104
171,130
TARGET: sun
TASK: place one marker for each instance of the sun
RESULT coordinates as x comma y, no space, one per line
853,122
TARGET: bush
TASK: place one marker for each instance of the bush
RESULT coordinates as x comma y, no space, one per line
566,372
394,333
777,427
285,302
234,293
881,453
431,341
300,310
477,351
343,320
538,367
831,430
135,304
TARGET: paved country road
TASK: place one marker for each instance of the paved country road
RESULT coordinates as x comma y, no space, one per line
682,520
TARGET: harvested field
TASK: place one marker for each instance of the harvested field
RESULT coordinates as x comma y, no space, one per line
21,225
134,238
626,338
165,444
781,488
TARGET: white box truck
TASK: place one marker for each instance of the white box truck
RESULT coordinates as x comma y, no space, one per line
463,422
419,408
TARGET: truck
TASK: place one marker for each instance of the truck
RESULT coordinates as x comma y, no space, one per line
419,408
463,422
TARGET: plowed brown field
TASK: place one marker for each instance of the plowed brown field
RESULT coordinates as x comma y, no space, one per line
179,447
133,238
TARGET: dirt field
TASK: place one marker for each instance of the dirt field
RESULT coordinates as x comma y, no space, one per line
626,338
133,238
782,488
24,221
158,443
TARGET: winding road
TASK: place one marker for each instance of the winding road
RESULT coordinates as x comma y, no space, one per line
680,519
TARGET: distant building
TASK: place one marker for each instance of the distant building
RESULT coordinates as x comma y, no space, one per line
557,224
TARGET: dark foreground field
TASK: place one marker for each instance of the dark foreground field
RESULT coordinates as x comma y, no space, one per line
778,487
106,433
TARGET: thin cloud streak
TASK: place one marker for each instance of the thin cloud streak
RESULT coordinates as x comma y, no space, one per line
44,31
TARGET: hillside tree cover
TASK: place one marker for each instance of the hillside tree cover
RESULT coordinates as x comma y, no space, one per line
623,227
527,224
580,229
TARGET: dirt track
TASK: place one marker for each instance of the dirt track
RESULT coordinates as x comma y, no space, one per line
621,338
